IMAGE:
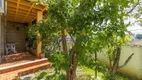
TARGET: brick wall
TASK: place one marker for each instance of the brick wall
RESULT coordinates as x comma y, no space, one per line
15,33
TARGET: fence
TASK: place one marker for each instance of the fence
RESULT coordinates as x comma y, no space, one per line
134,67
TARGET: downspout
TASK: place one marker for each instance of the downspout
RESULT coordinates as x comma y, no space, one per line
0,39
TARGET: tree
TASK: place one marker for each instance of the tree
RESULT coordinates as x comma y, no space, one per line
94,24
137,12
114,53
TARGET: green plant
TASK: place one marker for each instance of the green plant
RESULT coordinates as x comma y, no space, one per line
31,36
61,61
93,25
48,76
40,75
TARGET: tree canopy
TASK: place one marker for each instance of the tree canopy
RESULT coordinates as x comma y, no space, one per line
94,24
89,19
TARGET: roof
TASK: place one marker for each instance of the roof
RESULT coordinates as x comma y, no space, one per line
22,11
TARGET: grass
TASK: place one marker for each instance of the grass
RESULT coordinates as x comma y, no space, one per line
83,73
120,76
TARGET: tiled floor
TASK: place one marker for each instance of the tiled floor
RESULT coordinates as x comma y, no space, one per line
17,58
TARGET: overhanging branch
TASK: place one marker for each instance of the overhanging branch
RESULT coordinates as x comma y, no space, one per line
126,62
134,7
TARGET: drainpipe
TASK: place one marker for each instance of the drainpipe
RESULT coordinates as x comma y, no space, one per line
0,39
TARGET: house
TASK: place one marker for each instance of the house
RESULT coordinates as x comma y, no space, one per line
14,16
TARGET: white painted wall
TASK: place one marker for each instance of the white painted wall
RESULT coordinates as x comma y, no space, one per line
134,67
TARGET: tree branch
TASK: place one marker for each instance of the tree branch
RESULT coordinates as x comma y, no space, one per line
126,62
64,44
133,7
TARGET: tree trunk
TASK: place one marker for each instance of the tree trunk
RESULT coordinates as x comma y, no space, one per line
96,69
115,62
116,66
71,72
64,44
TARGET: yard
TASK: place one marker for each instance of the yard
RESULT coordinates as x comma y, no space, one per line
72,37
83,73
74,32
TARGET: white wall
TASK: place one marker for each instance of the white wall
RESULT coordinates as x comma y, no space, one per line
134,67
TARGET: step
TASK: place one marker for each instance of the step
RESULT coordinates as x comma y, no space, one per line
33,69
23,65
15,75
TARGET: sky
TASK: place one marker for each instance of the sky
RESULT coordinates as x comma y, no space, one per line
135,28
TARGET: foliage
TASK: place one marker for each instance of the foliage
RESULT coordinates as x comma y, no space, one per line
55,77
49,76
82,74
120,76
39,75
61,61
137,13
31,36
94,24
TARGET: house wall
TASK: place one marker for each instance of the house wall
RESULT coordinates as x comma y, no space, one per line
15,33
134,67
